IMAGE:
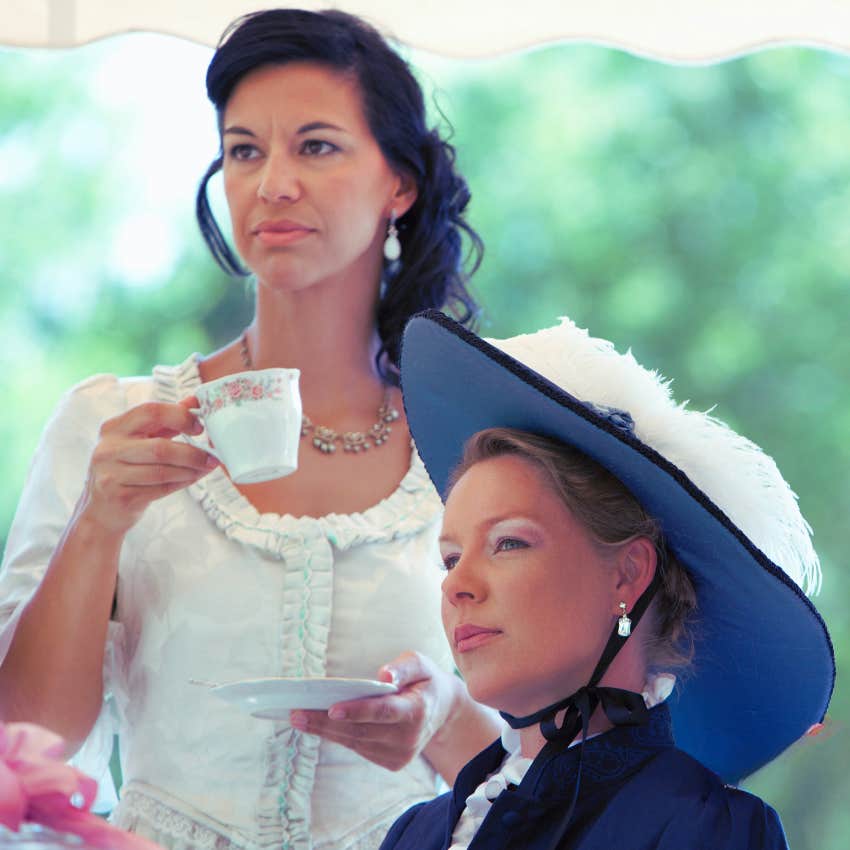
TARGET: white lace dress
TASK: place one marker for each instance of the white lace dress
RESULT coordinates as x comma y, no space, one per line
209,589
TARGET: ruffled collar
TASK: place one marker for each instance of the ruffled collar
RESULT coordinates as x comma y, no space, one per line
412,506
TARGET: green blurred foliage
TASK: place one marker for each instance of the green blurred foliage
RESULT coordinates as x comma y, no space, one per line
695,214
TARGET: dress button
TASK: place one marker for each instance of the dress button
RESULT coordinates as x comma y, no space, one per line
511,819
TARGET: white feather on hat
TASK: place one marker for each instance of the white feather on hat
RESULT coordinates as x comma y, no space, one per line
731,470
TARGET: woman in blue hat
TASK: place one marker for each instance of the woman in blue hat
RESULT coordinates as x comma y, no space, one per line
625,582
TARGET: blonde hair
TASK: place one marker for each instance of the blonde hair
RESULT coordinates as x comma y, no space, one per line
612,516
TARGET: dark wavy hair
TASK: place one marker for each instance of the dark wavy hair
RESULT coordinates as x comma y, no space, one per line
432,273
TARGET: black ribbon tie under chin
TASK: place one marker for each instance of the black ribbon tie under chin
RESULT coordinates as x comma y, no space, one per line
621,707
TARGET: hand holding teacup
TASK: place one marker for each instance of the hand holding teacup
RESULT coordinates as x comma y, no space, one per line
253,421
137,460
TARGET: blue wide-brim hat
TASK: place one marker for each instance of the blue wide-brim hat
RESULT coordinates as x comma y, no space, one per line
764,667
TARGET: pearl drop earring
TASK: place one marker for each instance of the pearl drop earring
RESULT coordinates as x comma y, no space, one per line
392,246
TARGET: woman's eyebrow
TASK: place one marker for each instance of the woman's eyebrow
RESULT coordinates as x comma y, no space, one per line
319,125
489,523
241,131
304,128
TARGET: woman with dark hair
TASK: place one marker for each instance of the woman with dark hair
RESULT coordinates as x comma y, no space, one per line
625,581
136,565
430,230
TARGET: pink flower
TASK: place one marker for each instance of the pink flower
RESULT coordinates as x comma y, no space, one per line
257,391
234,389
36,785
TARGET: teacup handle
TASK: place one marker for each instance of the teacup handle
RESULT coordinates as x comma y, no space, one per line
209,448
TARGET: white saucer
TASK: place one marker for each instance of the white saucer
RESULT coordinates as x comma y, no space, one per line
273,698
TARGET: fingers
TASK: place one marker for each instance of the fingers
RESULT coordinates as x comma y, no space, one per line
136,462
388,730
391,738
391,709
153,419
132,462
168,457
407,669
155,475
350,719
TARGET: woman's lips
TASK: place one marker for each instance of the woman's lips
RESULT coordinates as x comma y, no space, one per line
469,637
274,233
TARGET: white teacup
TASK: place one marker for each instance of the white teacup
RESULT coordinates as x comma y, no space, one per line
253,421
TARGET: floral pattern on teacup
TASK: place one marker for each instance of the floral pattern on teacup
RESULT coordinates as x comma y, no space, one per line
241,390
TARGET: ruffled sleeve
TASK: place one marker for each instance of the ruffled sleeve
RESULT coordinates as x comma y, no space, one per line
54,483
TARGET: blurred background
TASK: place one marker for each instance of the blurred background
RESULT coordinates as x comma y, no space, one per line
698,215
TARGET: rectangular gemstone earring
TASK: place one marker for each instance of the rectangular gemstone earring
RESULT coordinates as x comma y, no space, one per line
624,624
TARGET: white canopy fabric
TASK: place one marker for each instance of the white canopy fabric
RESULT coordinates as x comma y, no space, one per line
690,31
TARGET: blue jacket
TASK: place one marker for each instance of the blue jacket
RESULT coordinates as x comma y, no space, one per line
636,792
